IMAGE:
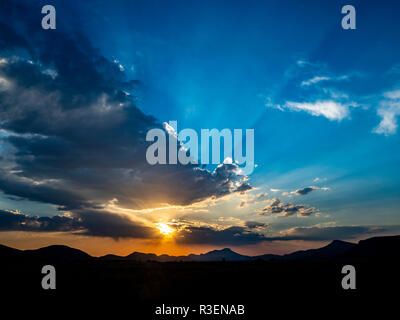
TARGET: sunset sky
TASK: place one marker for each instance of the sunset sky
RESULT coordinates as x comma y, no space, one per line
76,104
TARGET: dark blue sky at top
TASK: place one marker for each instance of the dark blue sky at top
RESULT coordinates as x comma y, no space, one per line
226,64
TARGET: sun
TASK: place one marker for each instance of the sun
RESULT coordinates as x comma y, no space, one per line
165,229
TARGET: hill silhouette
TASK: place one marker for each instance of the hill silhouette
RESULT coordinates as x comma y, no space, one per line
218,255
7,252
332,250
58,252
377,247
54,252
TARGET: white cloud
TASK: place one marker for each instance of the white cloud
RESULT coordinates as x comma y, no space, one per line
170,129
329,109
317,79
4,84
388,111
314,80
395,94
305,63
302,63
51,72
334,94
318,179
228,160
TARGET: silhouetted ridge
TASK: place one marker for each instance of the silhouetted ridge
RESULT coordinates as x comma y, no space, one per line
225,254
138,256
112,257
7,252
377,247
332,250
58,252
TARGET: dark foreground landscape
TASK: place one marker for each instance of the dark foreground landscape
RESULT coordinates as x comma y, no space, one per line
291,285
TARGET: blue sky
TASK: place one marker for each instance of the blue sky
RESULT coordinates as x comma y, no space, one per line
219,63
324,102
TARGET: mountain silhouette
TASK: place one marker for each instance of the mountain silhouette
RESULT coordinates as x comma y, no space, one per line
215,255
7,252
332,250
138,256
219,255
377,247
57,252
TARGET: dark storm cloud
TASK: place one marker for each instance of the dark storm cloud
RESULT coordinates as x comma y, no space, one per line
244,187
229,236
92,223
288,209
106,224
48,193
255,224
74,137
15,221
306,190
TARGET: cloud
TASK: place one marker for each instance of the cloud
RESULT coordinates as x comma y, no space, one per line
307,190
388,110
279,208
329,109
93,223
260,197
331,102
16,221
320,92
316,233
103,223
243,187
256,225
106,224
317,79
74,138
314,80
51,192
235,235
255,232
394,95
303,63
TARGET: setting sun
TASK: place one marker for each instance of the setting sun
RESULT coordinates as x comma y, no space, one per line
165,229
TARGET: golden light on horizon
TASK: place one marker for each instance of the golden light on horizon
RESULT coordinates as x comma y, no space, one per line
165,229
